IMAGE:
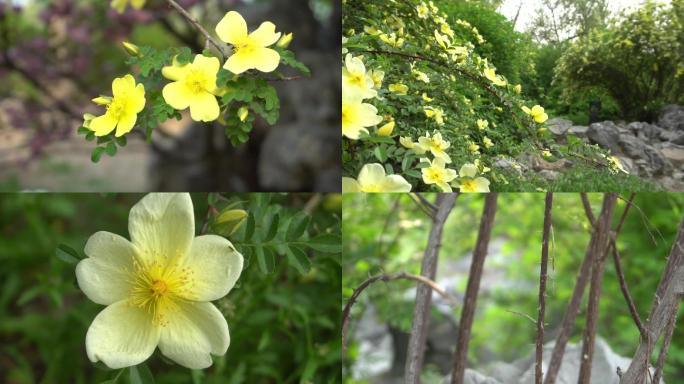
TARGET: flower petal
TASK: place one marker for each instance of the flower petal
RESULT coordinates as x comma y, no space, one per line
350,185
103,275
395,183
162,226
239,63
126,124
177,95
123,86
103,125
176,72
204,107
215,266
232,29
193,332
265,35
266,59
121,335
371,174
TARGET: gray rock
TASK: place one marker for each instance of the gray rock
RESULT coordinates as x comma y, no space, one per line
656,164
679,139
549,174
559,127
674,154
578,130
645,131
509,164
672,118
605,134
628,165
632,146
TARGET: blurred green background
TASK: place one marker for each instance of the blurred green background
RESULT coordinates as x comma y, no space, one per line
284,326
388,233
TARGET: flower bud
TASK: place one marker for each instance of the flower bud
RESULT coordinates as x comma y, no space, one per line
387,129
285,41
229,221
243,114
87,118
102,100
131,48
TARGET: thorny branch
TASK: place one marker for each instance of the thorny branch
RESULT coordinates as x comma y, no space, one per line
538,374
346,312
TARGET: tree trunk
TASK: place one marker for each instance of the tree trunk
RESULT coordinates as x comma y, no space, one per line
470,300
421,310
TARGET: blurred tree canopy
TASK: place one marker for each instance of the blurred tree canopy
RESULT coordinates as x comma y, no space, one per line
388,234
284,325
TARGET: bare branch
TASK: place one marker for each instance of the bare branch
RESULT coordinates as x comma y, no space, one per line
669,331
421,309
538,374
470,299
222,48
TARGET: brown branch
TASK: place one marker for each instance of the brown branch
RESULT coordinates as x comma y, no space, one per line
667,339
625,292
222,48
421,309
470,299
597,271
587,208
668,296
572,309
346,313
538,374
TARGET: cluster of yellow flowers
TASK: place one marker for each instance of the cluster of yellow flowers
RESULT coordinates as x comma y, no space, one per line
193,85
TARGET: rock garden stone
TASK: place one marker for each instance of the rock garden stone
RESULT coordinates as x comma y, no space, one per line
672,118
605,134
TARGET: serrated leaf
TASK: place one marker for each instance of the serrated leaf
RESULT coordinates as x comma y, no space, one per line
288,58
298,259
67,254
297,226
265,259
140,374
326,243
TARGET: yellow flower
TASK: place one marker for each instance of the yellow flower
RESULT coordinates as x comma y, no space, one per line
122,109
517,89
194,86
482,124
420,76
490,74
616,165
377,76
387,129
437,114
488,143
120,5
373,179
371,30
285,41
355,80
427,98
537,113
474,148
357,116
392,40
423,11
469,183
436,145
408,143
546,153
437,174
399,89
158,287
251,49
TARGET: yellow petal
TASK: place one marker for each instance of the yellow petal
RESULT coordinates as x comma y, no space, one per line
103,125
204,107
232,29
177,95
238,63
350,185
123,85
215,265
175,72
193,332
265,35
126,124
137,101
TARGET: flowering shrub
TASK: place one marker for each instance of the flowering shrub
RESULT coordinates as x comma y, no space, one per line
418,99
229,84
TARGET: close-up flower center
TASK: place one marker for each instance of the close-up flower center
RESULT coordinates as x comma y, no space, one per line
117,107
159,288
247,46
196,81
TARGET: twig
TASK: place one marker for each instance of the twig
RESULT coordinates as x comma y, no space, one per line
587,208
597,271
421,309
470,299
525,315
625,292
222,48
538,374
313,202
346,313
669,331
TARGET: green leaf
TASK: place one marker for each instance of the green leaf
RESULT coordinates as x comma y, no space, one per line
140,374
249,228
288,58
111,149
298,259
67,254
265,258
97,154
121,141
326,243
272,228
297,226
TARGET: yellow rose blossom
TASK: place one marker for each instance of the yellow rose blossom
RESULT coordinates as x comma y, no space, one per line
158,287
408,143
373,179
469,183
437,114
377,76
490,74
436,145
387,129
439,175
537,113
482,124
392,39
357,116
250,49
371,30
421,76
194,86
122,109
120,5
355,80
488,143
427,98
423,11
399,89
546,153
517,89
473,148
